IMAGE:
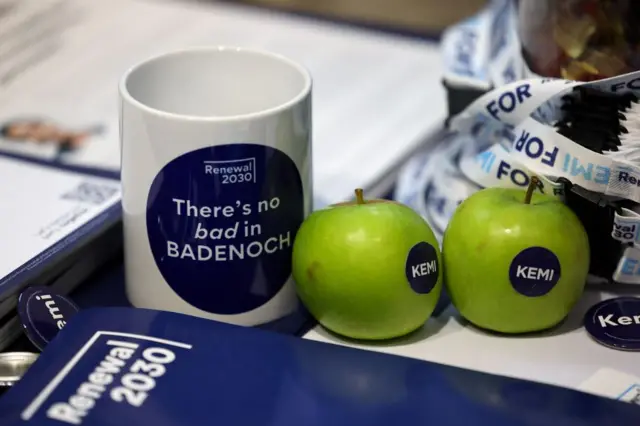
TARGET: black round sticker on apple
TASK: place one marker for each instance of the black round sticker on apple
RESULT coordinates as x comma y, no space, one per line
422,267
534,271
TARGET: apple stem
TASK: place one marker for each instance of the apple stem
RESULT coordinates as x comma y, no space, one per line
359,196
532,185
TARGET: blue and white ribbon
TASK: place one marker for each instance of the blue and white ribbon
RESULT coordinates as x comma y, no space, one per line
505,136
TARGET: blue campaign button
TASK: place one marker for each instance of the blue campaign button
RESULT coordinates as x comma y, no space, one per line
615,323
43,313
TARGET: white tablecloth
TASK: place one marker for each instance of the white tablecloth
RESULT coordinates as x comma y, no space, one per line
565,356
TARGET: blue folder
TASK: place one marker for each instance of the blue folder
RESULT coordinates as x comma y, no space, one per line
123,366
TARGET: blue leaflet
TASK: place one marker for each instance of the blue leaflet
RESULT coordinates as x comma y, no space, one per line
141,367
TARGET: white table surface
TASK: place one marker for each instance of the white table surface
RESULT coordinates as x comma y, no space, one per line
565,356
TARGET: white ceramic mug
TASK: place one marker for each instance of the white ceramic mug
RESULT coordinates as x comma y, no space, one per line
216,177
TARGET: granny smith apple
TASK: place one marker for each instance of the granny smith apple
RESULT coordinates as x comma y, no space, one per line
514,262
368,269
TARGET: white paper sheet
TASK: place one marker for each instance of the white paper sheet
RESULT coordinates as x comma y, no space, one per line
565,356
614,384
42,206
376,97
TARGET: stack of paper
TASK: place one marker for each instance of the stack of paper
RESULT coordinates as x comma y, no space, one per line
376,96
56,227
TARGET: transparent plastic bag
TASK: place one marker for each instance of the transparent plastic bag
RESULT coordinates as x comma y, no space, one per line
581,40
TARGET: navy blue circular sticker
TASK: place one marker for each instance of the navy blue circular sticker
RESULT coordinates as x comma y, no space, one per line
534,271
615,323
422,267
221,223
43,313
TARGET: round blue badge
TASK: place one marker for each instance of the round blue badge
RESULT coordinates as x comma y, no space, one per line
615,323
221,222
421,267
43,313
534,271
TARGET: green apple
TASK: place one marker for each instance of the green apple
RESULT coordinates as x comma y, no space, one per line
368,269
515,262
